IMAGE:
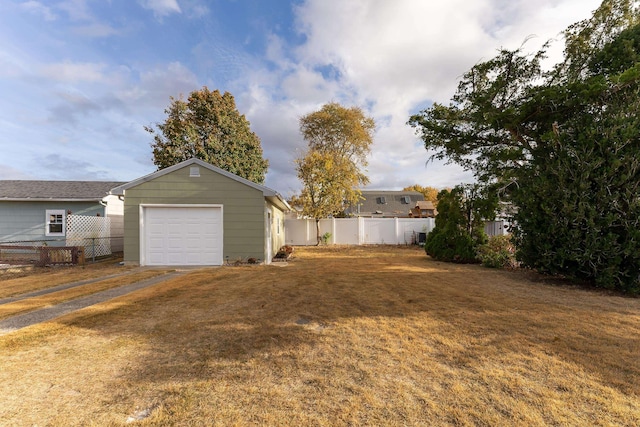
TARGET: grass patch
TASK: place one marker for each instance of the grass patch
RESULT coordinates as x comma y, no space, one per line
340,336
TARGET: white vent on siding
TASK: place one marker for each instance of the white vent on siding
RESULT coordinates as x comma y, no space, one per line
194,171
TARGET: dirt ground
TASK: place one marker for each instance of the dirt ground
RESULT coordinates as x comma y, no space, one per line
336,336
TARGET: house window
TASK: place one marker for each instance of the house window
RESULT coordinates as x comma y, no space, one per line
55,222
405,200
382,200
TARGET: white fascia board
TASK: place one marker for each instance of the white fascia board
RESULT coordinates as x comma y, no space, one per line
52,199
266,191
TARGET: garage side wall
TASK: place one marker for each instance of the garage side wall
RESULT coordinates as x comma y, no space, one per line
277,228
243,209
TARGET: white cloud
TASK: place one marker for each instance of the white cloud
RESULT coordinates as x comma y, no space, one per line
161,8
195,8
96,30
67,167
77,10
38,8
390,58
157,84
11,66
8,172
307,86
73,72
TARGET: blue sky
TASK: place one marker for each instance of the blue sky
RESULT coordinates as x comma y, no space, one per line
81,78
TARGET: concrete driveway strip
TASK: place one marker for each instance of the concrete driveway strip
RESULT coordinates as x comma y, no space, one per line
44,314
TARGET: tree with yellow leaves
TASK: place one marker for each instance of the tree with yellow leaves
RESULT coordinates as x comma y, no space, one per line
339,140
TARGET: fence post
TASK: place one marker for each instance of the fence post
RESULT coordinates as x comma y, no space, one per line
333,230
397,229
44,256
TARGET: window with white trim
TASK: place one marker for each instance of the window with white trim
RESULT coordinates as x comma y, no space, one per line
55,222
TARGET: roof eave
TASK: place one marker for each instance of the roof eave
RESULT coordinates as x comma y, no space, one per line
278,201
52,199
266,191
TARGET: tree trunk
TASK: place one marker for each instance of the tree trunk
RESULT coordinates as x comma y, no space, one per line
318,237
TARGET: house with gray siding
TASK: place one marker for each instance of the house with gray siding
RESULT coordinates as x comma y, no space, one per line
37,211
194,213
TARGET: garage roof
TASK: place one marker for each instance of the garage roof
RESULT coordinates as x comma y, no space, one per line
271,195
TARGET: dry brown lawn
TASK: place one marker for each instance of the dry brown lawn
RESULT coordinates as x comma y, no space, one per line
340,336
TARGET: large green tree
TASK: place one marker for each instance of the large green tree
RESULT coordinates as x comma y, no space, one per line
563,145
208,126
331,169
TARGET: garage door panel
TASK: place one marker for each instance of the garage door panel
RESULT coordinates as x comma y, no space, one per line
182,236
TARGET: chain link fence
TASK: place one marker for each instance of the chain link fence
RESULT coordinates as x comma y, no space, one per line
20,258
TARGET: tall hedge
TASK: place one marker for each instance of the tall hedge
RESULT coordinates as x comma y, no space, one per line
563,144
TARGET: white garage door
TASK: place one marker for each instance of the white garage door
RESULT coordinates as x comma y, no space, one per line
181,236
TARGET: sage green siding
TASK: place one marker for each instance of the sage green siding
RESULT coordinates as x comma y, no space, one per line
243,210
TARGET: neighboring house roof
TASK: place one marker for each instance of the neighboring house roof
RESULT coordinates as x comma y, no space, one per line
68,191
271,195
424,209
385,203
425,204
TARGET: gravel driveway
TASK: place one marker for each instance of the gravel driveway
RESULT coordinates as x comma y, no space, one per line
44,314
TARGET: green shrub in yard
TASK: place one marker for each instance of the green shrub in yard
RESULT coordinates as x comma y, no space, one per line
498,252
460,223
450,245
326,237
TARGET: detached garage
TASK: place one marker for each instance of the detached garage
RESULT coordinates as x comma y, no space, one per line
194,213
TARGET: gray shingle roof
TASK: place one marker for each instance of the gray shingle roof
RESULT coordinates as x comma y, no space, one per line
385,203
55,190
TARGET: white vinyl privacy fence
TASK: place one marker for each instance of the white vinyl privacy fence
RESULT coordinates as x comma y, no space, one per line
369,231
359,231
